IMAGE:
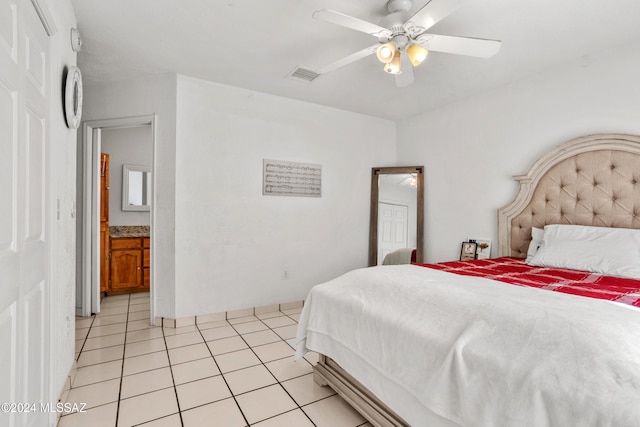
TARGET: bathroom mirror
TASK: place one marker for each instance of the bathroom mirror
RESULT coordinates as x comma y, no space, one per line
397,214
136,188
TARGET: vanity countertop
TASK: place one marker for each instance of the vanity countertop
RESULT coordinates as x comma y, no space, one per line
123,231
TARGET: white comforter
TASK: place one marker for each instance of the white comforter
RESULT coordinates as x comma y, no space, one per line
478,352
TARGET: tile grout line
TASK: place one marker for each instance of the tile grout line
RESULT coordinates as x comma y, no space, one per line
94,316
124,349
223,378
271,373
280,383
235,327
94,364
261,363
173,380
84,342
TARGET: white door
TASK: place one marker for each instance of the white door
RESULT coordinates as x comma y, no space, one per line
24,234
392,228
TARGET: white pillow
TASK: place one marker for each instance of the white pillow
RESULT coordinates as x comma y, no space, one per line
610,251
537,234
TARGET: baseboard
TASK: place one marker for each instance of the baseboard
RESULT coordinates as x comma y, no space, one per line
167,322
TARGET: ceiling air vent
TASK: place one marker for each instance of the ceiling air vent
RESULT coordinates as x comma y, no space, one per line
303,74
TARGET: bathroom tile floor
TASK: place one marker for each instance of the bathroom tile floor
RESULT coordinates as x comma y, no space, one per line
238,372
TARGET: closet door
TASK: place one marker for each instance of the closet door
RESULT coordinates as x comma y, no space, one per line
24,212
392,228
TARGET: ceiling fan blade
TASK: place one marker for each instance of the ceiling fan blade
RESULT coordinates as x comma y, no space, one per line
347,21
481,48
432,12
348,59
405,78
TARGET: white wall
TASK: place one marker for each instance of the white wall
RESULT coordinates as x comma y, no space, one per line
63,159
232,243
471,149
126,146
151,95
228,244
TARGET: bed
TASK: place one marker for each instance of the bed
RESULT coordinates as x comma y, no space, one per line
458,344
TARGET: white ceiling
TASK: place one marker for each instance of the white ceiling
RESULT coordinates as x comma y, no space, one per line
254,44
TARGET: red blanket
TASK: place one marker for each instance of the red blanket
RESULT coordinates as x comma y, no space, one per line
515,271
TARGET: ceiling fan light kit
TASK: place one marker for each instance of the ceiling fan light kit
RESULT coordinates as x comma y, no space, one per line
398,34
393,67
389,55
416,54
386,52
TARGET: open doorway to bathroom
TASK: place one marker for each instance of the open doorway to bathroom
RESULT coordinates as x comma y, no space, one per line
125,218
117,210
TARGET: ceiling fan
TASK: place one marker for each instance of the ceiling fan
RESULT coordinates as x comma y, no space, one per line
402,39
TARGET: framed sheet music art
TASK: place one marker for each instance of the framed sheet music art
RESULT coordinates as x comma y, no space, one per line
284,178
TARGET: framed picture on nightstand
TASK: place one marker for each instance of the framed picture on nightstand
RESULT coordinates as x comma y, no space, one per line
468,250
483,250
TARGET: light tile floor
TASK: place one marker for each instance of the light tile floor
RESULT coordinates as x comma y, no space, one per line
238,372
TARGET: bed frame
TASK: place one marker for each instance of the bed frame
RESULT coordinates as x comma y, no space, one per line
592,180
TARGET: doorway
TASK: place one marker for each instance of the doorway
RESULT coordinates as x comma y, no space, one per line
88,292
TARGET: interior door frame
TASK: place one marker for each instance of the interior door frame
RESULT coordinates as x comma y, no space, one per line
90,300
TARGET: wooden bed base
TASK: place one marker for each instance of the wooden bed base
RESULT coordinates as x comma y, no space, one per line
328,373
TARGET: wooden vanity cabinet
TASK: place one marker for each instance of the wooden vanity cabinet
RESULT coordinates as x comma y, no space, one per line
104,222
105,270
146,261
104,187
130,262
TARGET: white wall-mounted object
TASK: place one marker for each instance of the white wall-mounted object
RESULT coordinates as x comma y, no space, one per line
76,41
136,188
73,98
284,178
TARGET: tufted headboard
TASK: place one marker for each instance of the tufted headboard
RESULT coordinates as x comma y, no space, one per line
592,180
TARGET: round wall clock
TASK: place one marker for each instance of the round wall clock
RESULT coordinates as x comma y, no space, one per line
73,98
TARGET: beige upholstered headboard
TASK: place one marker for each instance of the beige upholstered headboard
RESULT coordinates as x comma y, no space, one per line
593,180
